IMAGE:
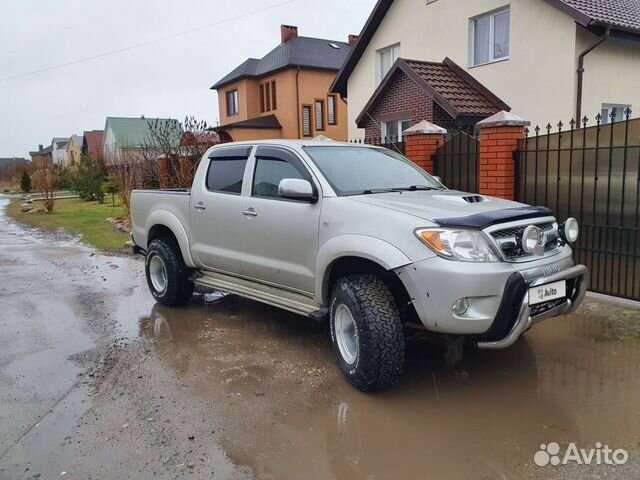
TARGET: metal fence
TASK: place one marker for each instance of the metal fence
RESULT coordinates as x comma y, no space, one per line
392,143
457,161
591,173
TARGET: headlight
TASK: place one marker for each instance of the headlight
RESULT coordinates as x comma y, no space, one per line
570,230
531,239
463,245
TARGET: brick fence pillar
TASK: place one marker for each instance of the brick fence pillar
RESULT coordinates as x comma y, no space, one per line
163,166
422,142
499,137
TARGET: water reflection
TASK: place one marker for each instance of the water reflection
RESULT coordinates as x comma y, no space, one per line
289,414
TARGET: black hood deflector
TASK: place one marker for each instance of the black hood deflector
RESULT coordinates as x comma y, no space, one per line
486,219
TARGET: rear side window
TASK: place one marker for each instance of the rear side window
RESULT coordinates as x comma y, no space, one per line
226,169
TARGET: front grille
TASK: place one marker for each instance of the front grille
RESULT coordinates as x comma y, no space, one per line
546,306
507,240
515,231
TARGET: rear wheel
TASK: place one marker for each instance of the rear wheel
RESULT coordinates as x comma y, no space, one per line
366,332
167,274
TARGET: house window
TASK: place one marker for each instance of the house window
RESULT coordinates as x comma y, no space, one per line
319,114
613,109
385,59
273,95
331,110
490,37
392,131
306,120
233,108
267,96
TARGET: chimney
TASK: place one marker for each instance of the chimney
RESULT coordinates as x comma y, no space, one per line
352,39
287,32
40,147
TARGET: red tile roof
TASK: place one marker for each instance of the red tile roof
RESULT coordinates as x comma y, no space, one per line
93,142
450,86
466,98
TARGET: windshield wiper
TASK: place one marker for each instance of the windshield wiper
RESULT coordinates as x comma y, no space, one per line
413,188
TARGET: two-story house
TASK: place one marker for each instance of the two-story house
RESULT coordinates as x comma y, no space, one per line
74,151
59,150
549,60
286,93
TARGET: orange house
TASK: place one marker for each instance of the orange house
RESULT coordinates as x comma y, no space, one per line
286,93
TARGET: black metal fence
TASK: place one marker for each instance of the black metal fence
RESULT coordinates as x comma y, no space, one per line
392,143
591,173
457,161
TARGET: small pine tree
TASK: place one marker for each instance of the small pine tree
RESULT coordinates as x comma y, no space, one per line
25,181
112,187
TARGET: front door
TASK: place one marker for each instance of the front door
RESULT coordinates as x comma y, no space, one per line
216,211
279,236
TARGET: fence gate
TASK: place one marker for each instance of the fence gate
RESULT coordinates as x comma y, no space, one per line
457,161
591,174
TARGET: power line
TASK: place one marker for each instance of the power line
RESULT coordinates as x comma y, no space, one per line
144,44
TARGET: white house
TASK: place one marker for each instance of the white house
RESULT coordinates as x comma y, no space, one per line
59,150
549,60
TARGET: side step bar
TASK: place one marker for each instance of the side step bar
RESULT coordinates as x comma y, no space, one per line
276,297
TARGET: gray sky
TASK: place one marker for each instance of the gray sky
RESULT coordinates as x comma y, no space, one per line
168,78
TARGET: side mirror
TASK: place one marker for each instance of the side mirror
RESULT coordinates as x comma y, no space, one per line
296,189
438,179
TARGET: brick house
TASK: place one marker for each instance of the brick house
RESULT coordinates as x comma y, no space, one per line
412,91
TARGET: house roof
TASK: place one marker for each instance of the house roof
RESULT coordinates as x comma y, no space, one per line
266,122
60,142
450,86
134,132
77,139
93,142
45,151
297,52
618,14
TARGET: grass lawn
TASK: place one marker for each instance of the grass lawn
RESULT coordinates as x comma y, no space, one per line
78,218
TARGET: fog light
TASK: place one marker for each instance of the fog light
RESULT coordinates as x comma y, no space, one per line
570,230
460,306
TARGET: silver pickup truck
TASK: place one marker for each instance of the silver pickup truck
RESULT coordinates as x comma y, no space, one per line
361,237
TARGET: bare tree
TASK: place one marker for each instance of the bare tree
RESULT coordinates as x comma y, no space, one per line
45,181
172,150
125,167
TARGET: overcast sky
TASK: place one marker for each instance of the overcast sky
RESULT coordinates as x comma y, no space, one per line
170,78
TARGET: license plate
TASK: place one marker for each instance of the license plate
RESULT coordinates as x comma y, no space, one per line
548,292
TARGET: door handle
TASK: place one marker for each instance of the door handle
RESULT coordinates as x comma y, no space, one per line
250,212
199,206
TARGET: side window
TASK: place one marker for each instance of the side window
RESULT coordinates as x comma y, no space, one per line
272,165
226,169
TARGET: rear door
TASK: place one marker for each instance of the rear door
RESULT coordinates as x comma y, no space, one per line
279,236
216,210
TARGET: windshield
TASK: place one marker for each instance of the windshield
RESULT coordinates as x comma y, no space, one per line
366,170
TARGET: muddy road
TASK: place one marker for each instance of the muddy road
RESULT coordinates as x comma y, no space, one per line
97,381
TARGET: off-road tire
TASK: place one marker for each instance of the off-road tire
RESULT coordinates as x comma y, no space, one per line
179,288
379,331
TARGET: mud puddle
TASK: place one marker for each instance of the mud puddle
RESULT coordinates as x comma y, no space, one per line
287,413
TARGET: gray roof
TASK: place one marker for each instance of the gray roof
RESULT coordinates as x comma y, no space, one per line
60,142
297,52
44,151
77,139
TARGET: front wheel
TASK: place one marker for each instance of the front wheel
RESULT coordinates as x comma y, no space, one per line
366,332
167,274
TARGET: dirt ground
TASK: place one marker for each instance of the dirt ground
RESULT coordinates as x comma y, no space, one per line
97,381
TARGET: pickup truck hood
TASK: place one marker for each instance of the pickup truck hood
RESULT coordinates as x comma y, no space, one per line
436,204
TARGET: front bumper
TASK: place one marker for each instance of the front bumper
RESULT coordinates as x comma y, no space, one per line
505,331
498,310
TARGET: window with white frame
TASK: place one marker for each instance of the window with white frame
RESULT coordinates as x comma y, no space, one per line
392,131
385,58
490,37
233,107
613,112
